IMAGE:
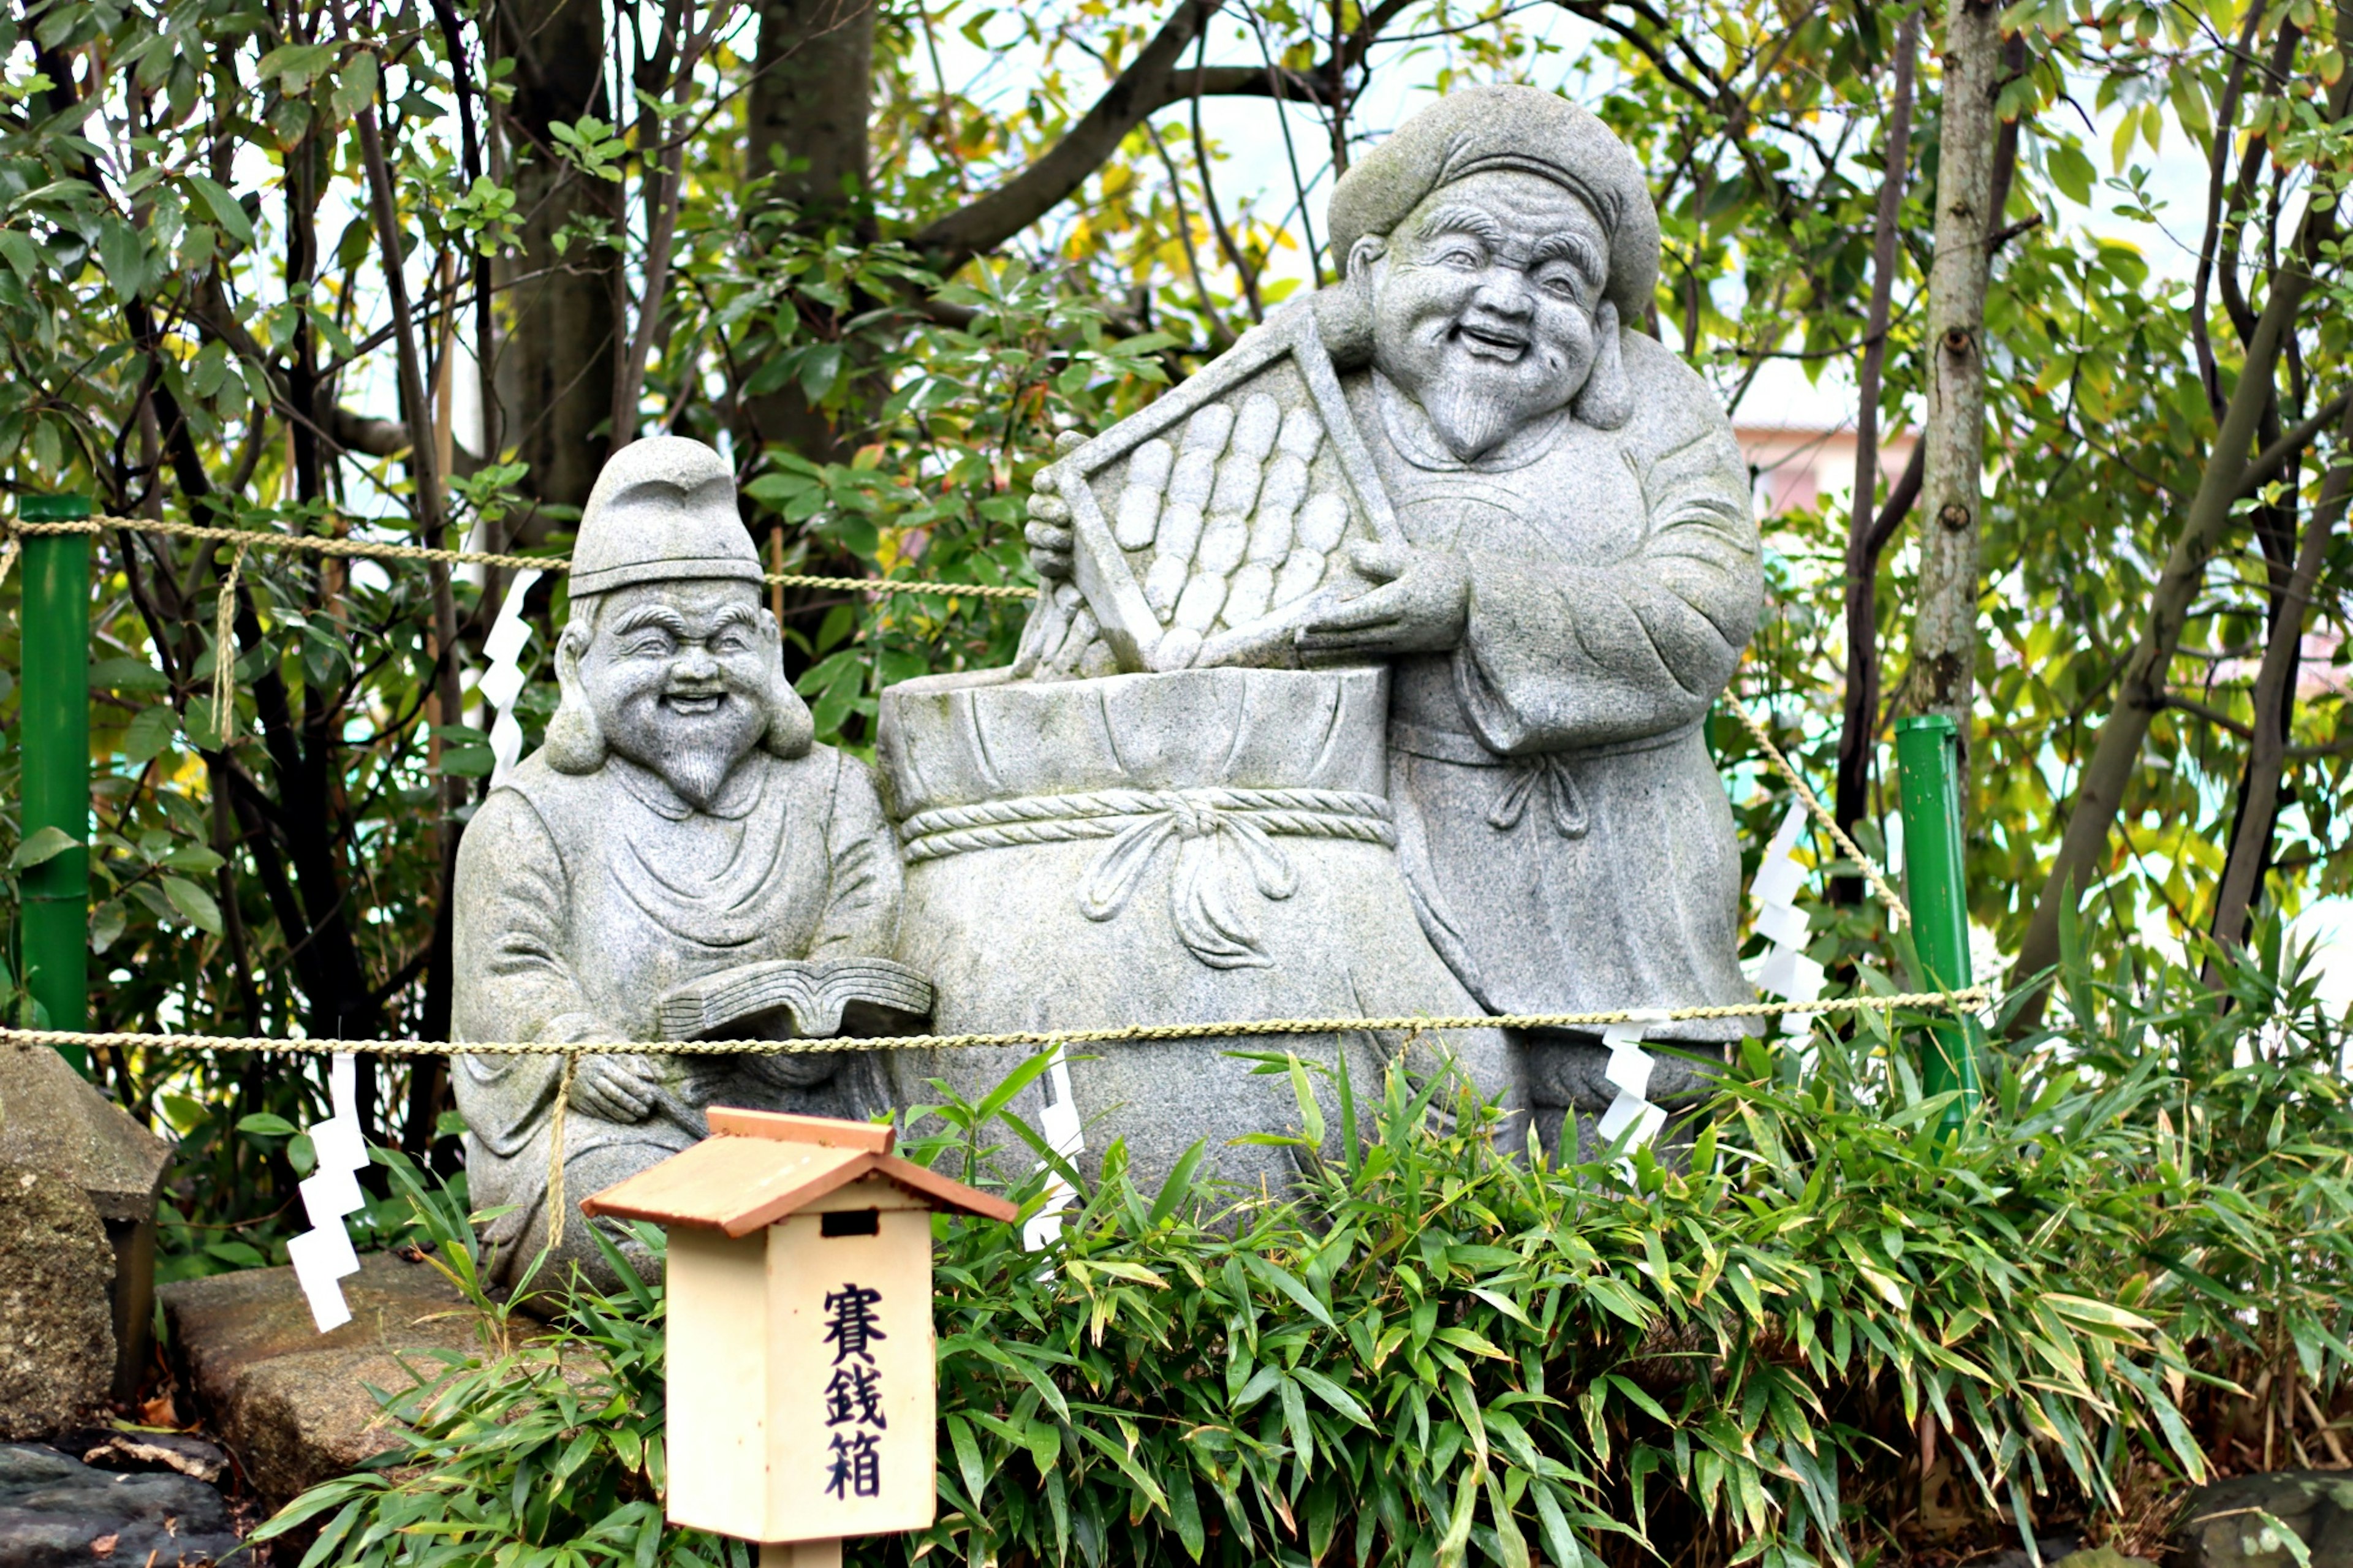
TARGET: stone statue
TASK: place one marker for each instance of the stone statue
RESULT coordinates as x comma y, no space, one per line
678,833
1535,515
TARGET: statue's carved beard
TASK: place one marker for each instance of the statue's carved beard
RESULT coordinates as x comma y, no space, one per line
694,753
1474,403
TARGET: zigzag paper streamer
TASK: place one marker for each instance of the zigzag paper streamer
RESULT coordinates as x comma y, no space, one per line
1629,1073
322,1256
503,681
1059,1124
1784,969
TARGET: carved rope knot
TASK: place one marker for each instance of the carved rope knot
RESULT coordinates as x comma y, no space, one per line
1192,819
1223,840
1548,773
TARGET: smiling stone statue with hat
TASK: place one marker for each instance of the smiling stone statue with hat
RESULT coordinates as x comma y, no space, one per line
1560,569
678,841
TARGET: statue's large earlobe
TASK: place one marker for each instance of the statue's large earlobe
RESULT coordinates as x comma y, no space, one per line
790,730
573,743
1607,400
1343,312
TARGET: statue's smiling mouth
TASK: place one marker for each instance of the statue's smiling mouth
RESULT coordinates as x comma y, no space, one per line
1491,341
694,702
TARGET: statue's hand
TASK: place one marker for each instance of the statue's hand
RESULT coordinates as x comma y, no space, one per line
1421,605
618,1089
1050,518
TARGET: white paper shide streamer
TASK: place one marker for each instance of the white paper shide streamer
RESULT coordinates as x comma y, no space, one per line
1058,1123
503,682
1629,1074
1785,970
322,1256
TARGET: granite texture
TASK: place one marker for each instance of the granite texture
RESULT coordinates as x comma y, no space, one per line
57,1330
55,1121
1370,678
679,824
1158,848
1555,558
292,1404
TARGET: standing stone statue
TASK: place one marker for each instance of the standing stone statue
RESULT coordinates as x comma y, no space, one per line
1536,516
677,842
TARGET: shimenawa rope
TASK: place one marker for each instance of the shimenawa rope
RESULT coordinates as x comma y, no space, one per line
317,544
1231,1029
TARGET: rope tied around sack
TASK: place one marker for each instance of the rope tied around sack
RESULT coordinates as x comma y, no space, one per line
948,830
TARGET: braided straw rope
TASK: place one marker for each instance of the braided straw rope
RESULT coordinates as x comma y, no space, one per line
1898,914
1106,814
1236,1028
370,549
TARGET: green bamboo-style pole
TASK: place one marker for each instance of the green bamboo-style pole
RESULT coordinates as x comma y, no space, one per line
1928,760
53,729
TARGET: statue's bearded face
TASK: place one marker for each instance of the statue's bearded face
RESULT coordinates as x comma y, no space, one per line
682,678
1483,304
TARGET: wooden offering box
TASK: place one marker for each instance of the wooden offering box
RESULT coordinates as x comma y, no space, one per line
801,1381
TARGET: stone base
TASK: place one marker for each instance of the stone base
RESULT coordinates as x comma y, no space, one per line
291,1404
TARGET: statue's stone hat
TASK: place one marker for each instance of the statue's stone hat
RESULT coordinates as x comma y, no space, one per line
663,510
1475,128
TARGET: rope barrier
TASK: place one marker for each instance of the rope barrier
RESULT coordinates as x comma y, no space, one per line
1235,1029
372,549
1899,915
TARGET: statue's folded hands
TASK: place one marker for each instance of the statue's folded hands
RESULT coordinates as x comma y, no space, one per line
617,1087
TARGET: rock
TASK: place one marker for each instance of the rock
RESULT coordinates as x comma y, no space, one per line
293,1404
53,1121
57,1358
2236,1523
56,1511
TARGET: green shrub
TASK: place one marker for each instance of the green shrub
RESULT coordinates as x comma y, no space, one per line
1434,1353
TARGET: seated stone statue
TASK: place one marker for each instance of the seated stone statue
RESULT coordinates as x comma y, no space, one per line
678,826
1569,580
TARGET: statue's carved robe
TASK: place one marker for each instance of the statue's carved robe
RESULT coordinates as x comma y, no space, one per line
580,900
1562,827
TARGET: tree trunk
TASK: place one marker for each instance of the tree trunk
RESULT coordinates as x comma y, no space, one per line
1945,628
1858,732
812,94
2274,707
2141,686
556,361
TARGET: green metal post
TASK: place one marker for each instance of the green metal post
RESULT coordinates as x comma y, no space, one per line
53,723
1928,760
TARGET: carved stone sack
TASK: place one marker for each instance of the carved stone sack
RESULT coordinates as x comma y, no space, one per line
1178,848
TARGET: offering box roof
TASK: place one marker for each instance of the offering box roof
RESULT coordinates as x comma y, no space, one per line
758,1167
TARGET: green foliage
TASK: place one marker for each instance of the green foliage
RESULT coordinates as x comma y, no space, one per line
1437,1353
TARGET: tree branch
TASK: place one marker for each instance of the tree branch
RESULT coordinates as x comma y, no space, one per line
1149,83
2268,464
